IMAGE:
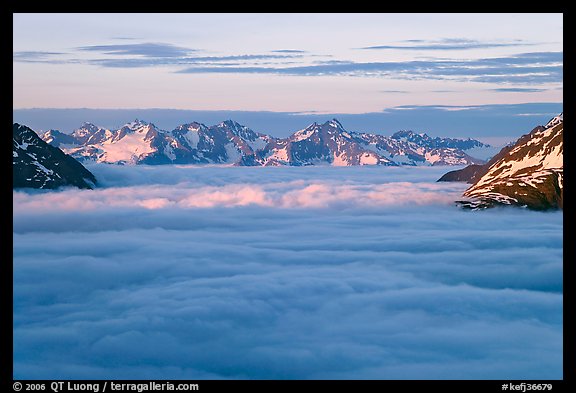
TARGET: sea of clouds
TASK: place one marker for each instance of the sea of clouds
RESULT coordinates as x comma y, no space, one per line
168,272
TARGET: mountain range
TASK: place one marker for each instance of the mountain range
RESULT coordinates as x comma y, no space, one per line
228,142
529,173
36,164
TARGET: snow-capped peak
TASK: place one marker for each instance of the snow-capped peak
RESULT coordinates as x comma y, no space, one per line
231,124
85,129
231,142
194,127
238,130
336,124
305,133
555,120
89,126
134,125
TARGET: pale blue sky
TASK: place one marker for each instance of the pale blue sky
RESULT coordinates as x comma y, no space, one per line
319,63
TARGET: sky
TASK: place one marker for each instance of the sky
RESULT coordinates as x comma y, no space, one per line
169,272
304,63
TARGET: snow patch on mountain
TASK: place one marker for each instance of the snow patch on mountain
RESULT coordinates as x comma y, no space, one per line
529,174
37,164
231,143
127,149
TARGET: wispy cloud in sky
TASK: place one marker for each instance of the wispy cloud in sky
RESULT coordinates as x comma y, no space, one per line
183,61
526,68
126,38
147,49
148,57
288,51
517,90
395,91
34,55
449,44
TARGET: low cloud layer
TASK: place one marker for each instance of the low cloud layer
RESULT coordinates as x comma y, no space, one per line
300,273
209,187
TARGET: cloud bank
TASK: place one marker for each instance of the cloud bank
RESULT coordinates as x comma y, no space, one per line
195,186
282,273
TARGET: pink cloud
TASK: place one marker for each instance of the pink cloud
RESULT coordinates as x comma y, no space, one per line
288,195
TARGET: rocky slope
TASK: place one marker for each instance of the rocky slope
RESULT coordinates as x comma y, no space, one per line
473,172
529,174
36,164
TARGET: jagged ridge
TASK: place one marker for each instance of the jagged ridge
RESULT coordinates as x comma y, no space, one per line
140,142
